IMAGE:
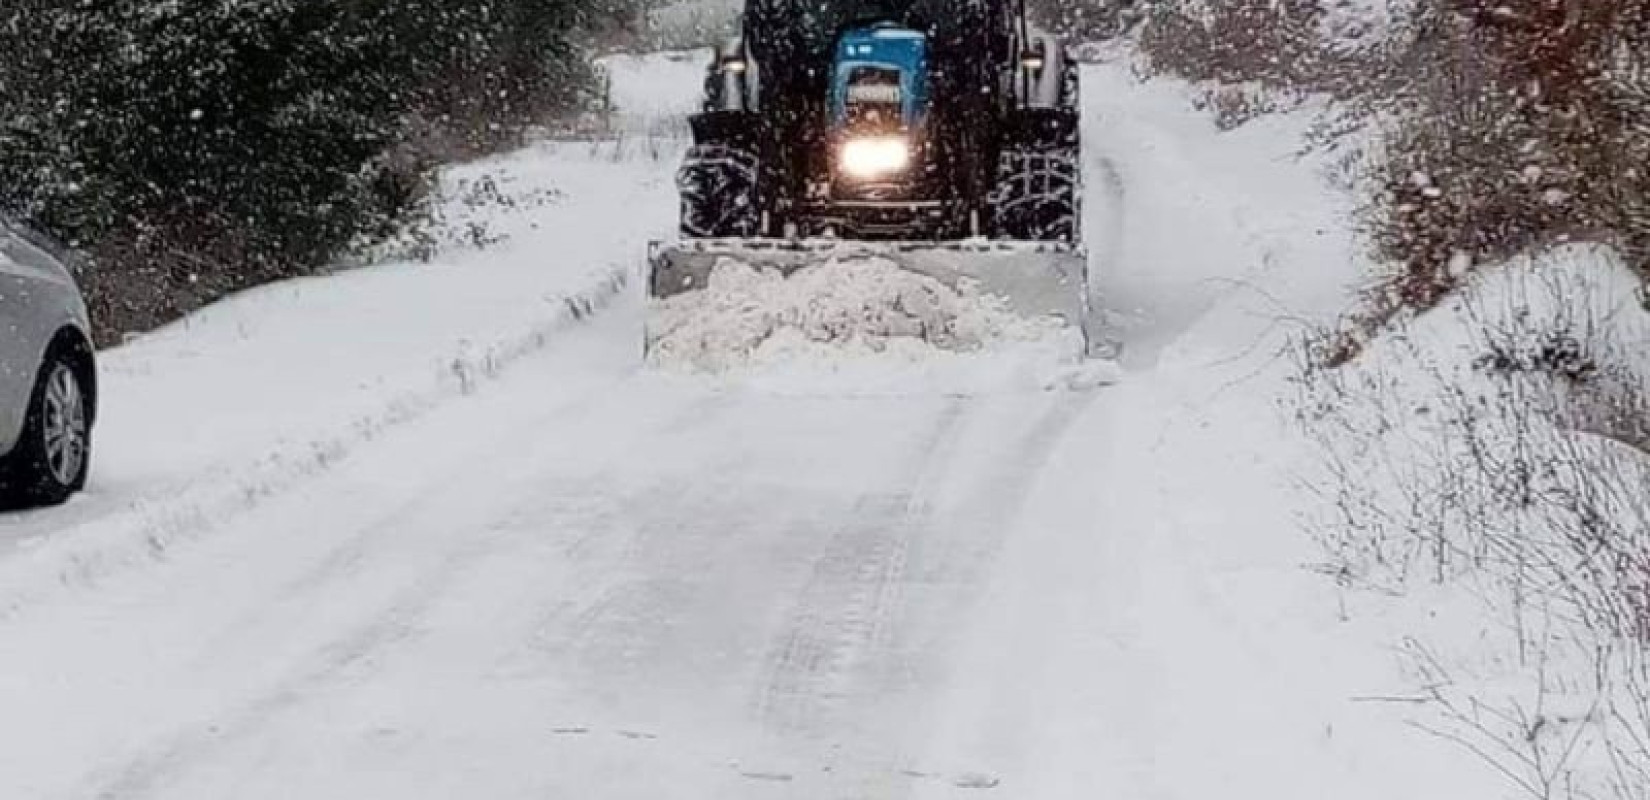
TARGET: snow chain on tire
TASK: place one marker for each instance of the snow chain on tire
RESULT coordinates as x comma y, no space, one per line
1036,196
718,191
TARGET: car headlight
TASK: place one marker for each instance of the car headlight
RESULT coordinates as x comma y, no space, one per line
875,158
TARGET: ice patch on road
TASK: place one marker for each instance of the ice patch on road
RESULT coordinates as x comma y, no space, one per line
863,326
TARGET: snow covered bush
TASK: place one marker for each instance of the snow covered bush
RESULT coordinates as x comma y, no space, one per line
1274,42
1510,126
194,148
1088,20
1256,57
1488,462
687,24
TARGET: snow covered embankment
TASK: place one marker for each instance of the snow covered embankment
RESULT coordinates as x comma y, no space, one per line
1153,633
205,418
1489,460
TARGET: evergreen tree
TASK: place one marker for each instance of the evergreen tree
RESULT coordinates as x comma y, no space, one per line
195,147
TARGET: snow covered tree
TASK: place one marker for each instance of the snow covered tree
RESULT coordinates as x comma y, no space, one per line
1233,41
196,147
1518,124
1082,20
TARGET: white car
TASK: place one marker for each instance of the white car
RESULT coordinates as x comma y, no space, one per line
48,375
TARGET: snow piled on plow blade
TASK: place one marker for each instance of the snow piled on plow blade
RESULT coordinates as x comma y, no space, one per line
863,321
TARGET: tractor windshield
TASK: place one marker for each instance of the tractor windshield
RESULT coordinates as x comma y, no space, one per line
874,99
880,80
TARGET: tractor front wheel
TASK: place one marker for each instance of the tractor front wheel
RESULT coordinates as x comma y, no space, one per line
718,190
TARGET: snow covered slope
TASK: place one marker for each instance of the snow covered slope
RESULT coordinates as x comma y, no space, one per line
204,419
341,551
1489,459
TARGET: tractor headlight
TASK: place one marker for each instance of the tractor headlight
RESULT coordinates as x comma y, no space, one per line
875,157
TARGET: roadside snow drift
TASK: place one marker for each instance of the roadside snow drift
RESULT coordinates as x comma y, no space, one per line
1488,462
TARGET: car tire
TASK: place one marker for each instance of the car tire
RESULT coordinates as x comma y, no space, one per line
53,456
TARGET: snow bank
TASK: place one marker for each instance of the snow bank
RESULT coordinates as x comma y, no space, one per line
861,325
210,417
1213,249
1486,464
213,416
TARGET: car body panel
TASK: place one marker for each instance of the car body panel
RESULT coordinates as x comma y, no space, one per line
38,299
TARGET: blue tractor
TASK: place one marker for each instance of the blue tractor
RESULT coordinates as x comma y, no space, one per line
943,134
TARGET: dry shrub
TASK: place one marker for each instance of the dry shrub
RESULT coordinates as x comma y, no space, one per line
300,129
1508,460
1510,126
1234,104
1088,20
1277,44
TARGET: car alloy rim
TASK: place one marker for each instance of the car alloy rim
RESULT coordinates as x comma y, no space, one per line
65,426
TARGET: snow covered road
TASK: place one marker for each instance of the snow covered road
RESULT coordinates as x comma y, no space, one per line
655,595
563,575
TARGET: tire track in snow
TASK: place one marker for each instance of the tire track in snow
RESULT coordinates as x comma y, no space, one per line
1105,243
361,649
844,606
1000,495
856,593
352,655
846,637
845,624
161,521
984,524
344,560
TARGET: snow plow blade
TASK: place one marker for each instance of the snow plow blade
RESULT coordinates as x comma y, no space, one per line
1034,279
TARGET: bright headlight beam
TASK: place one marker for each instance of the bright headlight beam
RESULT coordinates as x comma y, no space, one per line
875,158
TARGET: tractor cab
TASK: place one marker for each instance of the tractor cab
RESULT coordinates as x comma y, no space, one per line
877,112
880,81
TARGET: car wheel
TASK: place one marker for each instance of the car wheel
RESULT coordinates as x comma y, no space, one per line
51,460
